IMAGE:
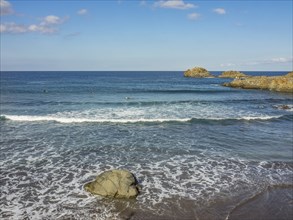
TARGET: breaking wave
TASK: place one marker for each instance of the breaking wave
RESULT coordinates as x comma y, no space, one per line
30,118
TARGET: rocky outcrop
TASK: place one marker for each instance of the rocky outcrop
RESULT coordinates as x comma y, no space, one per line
232,74
197,72
115,184
275,83
290,74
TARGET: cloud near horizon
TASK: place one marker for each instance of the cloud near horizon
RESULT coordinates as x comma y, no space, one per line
174,4
5,8
261,62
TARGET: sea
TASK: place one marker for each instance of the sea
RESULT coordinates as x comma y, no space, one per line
199,150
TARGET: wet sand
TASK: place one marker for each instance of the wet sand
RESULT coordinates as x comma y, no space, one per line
271,204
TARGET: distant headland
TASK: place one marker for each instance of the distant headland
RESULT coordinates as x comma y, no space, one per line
275,83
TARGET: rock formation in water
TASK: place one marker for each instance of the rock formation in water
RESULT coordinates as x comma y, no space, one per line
197,72
275,83
232,74
284,107
115,184
290,74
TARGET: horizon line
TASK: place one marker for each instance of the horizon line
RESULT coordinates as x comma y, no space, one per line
139,70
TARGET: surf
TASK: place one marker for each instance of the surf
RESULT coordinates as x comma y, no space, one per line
68,120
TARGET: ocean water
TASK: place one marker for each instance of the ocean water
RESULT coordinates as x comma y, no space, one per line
198,149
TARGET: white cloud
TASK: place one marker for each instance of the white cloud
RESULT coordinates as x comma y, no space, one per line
193,16
281,60
5,8
42,29
278,60
52,19
227,64
176,4
14,28
48,25
82,11
143,3
2,28
220,11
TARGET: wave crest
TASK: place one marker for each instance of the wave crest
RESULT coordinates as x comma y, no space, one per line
30,118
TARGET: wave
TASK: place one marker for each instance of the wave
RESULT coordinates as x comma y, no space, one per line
83,120
102,91
132,101
29,118
183,91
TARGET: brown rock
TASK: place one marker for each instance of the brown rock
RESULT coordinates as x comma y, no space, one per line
290,74
197,72
232,74
275,83
114,184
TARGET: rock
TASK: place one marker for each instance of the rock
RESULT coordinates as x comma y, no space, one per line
290,74
284,107
114,184
232,74
197,72
275,83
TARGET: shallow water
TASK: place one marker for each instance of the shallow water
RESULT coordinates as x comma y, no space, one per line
202,149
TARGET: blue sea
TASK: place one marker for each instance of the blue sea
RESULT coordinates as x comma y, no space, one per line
198,149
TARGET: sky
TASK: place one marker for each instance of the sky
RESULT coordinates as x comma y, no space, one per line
162,35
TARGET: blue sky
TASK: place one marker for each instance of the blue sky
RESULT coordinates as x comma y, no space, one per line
146,35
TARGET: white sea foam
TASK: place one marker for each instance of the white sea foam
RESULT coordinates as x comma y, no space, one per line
97,120
32,118
180,112
265,117
55,189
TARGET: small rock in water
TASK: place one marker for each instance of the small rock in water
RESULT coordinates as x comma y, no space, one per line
232,74
198,72
115,184
283,107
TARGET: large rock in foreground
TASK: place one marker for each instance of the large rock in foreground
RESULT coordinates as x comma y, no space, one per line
275,83
232,74
114,184
197,72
